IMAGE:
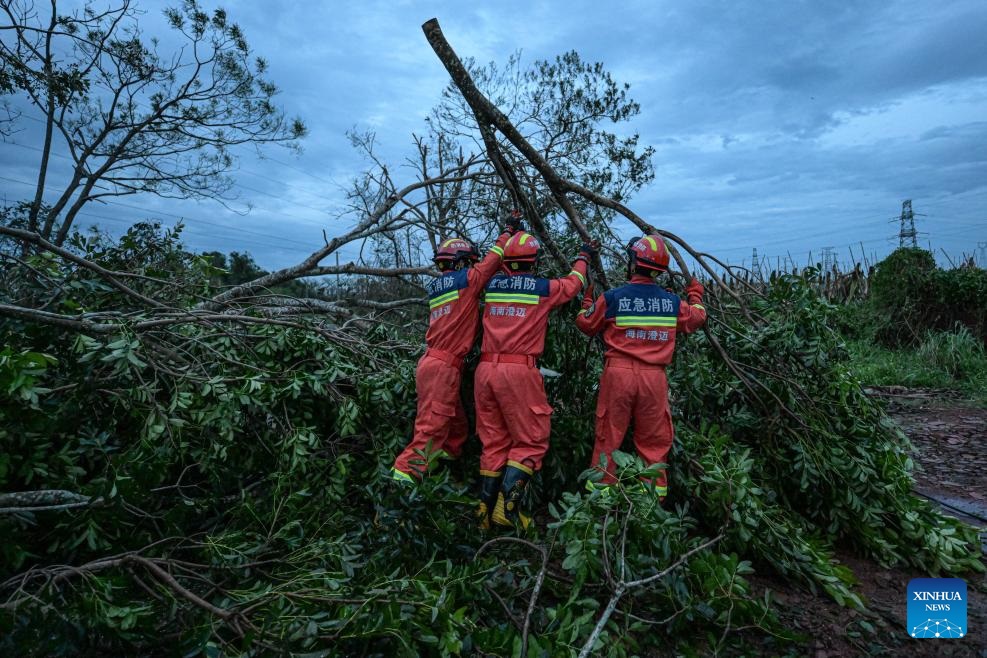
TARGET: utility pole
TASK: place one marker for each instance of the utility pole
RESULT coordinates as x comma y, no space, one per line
907,236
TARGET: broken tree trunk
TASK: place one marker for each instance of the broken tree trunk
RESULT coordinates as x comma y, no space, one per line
489,117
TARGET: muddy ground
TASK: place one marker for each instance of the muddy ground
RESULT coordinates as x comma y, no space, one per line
950,440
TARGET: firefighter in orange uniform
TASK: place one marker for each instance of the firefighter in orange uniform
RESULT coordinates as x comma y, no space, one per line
453,300
513,417
639,321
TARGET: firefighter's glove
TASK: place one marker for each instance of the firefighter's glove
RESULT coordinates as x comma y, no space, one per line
588,251
694,291
514,223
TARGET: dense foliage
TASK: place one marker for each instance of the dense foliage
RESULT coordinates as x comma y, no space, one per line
240,504
911,295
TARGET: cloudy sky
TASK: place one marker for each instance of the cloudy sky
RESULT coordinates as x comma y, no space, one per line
783,126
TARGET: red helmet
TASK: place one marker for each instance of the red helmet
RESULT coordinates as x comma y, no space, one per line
455,249
649,253
522,247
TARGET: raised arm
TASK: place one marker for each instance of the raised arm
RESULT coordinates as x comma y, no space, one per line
481,274
592,318
564,288
692,314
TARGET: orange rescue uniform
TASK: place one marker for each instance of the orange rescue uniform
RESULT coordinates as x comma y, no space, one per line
453,300
639,322
513,417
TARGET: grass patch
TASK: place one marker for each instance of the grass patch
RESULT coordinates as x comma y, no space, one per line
953,360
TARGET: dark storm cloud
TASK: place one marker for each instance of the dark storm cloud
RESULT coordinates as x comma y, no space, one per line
790,67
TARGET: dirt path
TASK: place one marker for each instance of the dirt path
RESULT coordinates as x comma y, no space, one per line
950,449
950,441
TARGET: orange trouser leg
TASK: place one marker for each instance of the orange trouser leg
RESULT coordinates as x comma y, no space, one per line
529,416
491,426
653,422
516,416
458,431
614,406
437,385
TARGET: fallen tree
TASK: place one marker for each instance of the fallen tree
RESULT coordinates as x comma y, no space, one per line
206,469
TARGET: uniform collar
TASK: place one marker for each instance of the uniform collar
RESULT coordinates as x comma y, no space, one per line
640,278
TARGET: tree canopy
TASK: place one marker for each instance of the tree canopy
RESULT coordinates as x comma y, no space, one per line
131,117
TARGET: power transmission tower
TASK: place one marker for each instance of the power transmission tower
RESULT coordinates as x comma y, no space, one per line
828,258
755,263
982,247
907,236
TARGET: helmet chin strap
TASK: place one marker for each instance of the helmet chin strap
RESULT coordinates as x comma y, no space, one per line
631,257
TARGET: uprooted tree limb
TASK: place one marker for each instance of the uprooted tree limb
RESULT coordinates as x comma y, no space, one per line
41,501
489,117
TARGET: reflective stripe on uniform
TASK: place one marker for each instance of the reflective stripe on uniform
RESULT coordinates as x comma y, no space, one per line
657,488
581,277
512,298
497,250
445,298
699,306
606,490
643,321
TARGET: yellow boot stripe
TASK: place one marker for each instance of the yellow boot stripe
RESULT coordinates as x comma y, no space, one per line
521,467
498,515
484,517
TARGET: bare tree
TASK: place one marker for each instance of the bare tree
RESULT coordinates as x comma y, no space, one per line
131,117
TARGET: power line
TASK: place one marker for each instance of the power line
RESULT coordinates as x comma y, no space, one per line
939,237
266,177
305,220
156,215
831,231
803,236
189,227
260,156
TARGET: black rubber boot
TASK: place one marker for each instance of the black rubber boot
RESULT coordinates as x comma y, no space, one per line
515,482
489,494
